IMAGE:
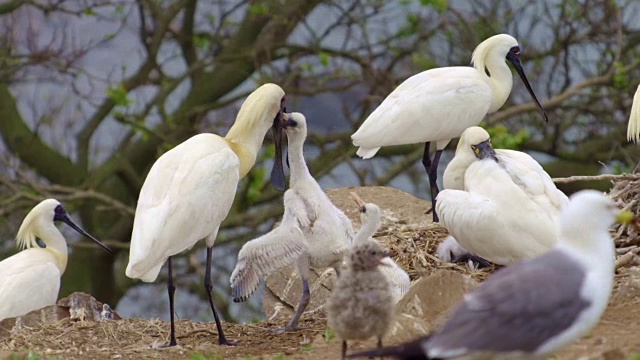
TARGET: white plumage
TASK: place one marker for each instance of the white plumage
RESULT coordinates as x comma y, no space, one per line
494,218
30,279
524,171
437,105
633,130
536,307
190,189
371,219
313,233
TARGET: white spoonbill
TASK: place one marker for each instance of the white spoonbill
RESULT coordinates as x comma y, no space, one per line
371,219
190,188
313,233
30,279
633,130
495,219
438,104
534,308
524,171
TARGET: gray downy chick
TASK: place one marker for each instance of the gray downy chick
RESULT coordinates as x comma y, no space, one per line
361,304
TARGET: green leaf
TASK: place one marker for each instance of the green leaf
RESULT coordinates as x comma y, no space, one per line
258,9
256,182
118,94
328,335
324,59
501,138
437,5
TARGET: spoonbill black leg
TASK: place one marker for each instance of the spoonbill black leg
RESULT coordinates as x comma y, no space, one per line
171,288
207,285
431,167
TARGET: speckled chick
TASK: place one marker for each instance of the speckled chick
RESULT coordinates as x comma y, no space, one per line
361,304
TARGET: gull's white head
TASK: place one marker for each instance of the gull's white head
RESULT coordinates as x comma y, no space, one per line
38,219
586,220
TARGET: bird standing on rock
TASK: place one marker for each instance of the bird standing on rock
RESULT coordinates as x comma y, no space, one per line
361,304
532,309
438,104
371,219
521,174
30,279
190,189
313,233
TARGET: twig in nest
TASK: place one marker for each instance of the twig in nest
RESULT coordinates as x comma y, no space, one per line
626,258
603,177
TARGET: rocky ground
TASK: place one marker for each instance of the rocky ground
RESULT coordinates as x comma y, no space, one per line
71,330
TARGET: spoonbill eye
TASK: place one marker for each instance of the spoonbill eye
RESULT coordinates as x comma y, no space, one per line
59,209
515,51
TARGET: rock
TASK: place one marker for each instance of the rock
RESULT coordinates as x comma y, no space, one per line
613,354
78,306
396,205
630,288
428,302
283,288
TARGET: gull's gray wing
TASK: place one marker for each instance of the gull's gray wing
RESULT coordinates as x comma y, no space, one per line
517,309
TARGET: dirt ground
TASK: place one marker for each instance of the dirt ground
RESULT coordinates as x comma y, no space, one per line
616,337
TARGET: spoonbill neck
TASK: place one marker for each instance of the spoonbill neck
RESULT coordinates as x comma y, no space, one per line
297,164
499,78
367,229
245,139
50,236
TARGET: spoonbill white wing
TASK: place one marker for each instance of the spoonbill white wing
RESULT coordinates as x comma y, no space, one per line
532,179
187,194
633,130
280,247
29,280
495,219
397,277
260,257
418,110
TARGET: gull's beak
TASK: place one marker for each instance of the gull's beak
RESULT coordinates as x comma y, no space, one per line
67,220
277,172
358,200
626,217
484,150
515,60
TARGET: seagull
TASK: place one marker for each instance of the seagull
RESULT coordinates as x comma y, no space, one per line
524,171
30,279
537,306
190,189
361,304
438,104
313,232
371,219
633,131
494,219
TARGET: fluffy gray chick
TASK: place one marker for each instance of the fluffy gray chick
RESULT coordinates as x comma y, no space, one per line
361,304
